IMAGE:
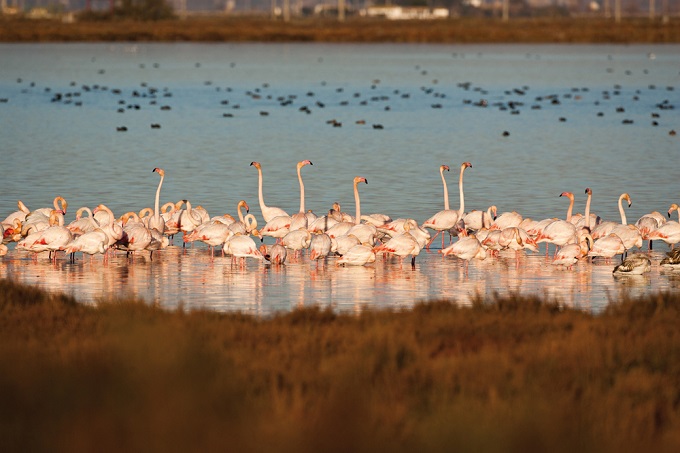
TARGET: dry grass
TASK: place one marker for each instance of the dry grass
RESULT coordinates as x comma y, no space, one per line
242,29
513,374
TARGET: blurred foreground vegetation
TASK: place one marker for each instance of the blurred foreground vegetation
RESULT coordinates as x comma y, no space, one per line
512,374
261,29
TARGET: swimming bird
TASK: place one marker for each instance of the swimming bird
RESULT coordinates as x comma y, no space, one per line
635,264
672,260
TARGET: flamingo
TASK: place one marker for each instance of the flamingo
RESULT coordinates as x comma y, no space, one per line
364,232
507,220
476,220
12,233
275,254
214,234
90,243
113,230
59,204
466,248
560,232
297,240
448,218
402,245
21,214
299,220
604,228
136,236
240,246
669,232
341,244
157,222
268,212
52,238
277,227
320,246
635,264
82,225
191,218
571,253
245,224
648,223
584,221
607,247
359,255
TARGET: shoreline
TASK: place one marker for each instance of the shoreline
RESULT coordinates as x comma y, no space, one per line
354,30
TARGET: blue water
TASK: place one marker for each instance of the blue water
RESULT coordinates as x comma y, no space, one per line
219,107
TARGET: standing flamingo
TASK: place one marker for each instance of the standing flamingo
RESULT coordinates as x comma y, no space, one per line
669,232
466,248
268,212
447,219
604,228
156,222
299,220
364,232
359,255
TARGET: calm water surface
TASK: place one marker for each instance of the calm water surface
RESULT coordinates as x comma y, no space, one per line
574,117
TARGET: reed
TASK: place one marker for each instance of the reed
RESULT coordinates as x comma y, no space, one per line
258,29
509,374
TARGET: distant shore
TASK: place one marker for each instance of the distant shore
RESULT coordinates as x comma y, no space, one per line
354,30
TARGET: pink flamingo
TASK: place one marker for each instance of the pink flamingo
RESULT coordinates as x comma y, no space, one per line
268,212
447,219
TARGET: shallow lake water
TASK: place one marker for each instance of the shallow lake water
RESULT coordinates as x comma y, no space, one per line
534,121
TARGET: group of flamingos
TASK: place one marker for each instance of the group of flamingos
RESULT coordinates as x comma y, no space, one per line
356,240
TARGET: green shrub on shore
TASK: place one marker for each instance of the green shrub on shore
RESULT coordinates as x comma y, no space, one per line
510,374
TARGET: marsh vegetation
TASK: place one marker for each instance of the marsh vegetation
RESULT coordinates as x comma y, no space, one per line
509,374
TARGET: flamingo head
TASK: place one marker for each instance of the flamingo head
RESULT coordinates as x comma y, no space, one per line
63,205
444,167
243,204
626,197
494,209
359,179
465,165
568,195
674,207
589,191
304,162
256,165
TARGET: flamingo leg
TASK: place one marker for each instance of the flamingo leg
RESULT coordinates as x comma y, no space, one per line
432,240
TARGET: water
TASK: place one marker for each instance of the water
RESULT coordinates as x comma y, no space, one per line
223,109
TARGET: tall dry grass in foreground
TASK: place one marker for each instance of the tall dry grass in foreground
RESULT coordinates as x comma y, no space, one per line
513,374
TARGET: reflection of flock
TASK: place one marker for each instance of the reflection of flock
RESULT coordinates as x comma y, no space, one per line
355,240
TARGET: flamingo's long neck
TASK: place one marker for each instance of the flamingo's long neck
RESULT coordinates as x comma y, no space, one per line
190,214
571,208
587,213
357,201
263,206
623,213
156,206
460,189
93,222
446,189
302,190
240,214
